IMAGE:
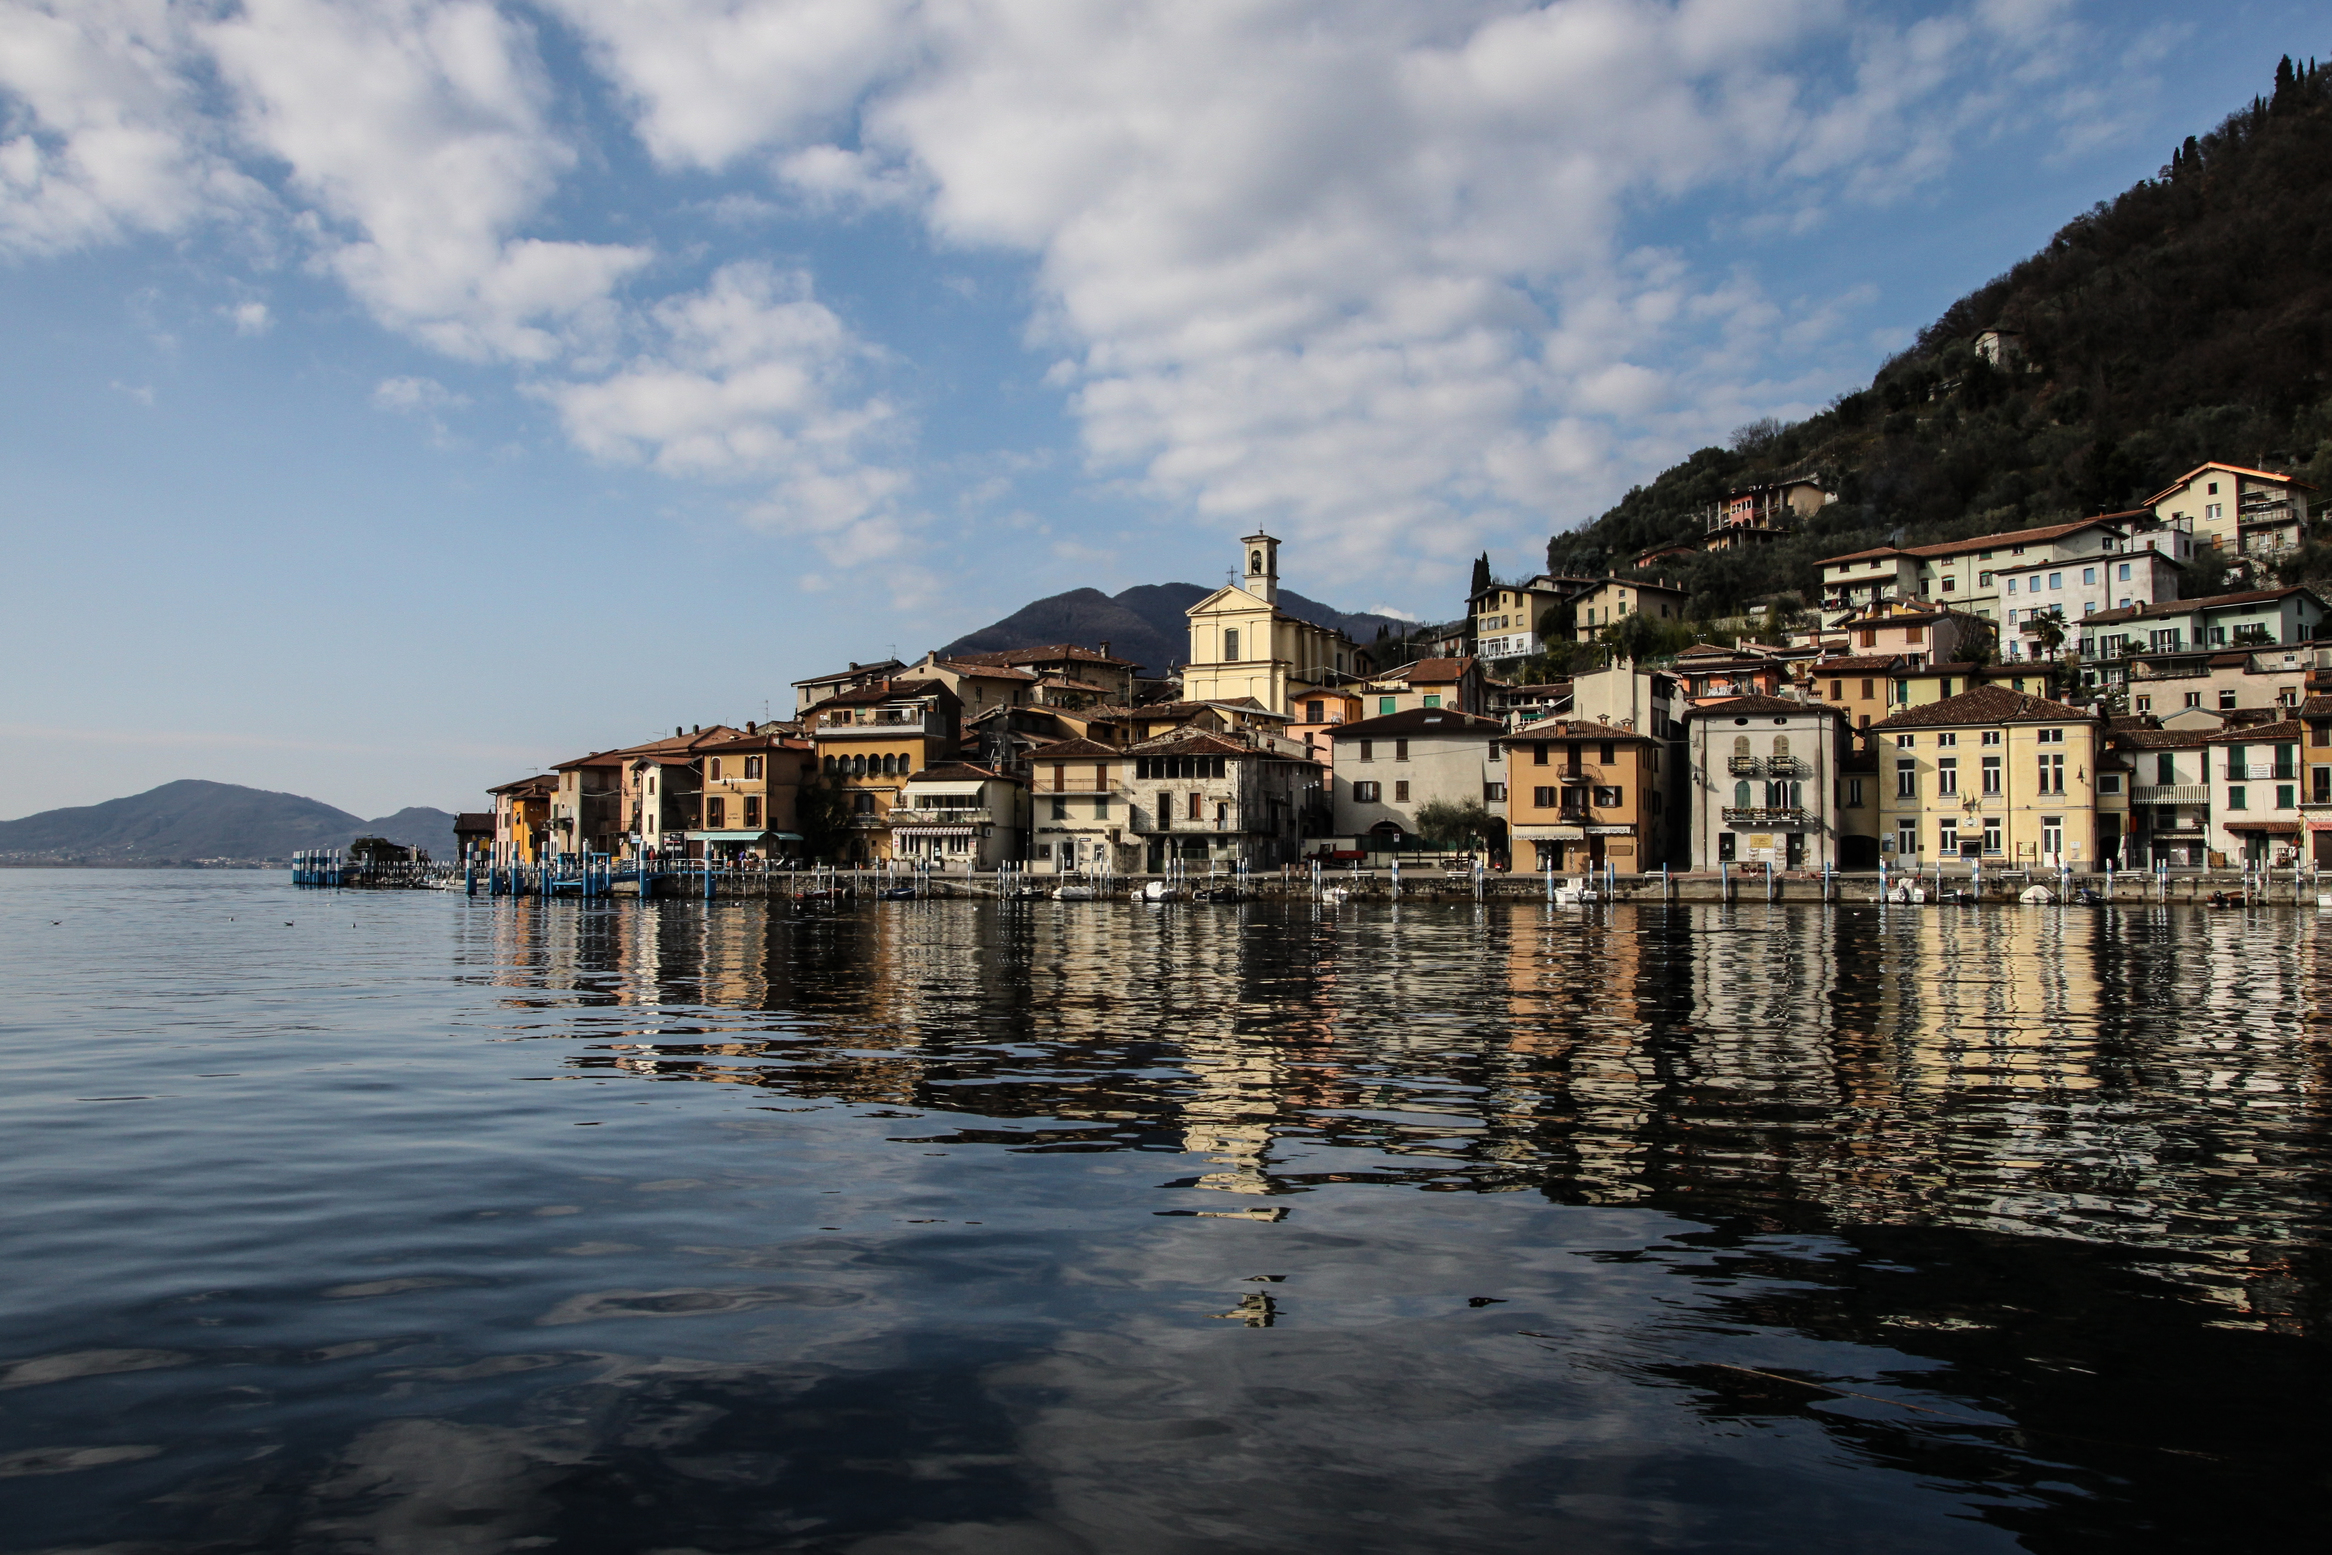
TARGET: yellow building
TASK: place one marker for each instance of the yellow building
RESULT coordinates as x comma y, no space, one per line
522,818
1243,645
2242,511
1992,775
1615,599
1580,794
870,741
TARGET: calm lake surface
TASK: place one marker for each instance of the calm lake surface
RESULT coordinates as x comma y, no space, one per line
402,1222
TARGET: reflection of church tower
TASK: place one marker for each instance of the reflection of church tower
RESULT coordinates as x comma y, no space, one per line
1259,573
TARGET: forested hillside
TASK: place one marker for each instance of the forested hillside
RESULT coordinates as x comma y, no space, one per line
2184,320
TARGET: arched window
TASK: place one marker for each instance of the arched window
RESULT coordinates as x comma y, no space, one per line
1255,563
858,766
1781,747
827,766
889,766
1741,795
1741,746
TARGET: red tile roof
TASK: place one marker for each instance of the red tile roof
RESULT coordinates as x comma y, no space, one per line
1762,706
1984,705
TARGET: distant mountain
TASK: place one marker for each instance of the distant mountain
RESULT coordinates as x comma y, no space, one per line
1145,623
192,820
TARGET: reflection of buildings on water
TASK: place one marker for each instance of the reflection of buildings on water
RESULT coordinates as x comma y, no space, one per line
2140,1077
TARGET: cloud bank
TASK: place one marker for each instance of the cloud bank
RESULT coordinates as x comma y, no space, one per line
1365,270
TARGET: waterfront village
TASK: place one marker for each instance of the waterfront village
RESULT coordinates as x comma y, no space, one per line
2051,698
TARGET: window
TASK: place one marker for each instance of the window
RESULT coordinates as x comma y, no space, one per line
716,813
1604,753
715,774
1947,778
1992,775
1196,799
1943,689
1854,792
1838,690
2089,575
2194,699
2320,735
1060,775
2226,700
2056,581
1101,807
1433,701
1544,798
1060,809
1949,737
1983,580
2052,835
1368,750
1495,793
1387,706
1166,807
1907,837
1870,637
1902,693
2125,572
2321,792
752,767
2286,795
1400,793
1947,837
2109,782
862,804
1903,741
1869,689
1906,779
1608,799
1914,634
1991,834
2052,774
2237,799
1231,643
1400,750
1044,850
752,813
1538,754
1949,584
2011,585
2051,737
1315,712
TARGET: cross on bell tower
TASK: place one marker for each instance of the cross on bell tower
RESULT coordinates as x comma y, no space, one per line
1259,568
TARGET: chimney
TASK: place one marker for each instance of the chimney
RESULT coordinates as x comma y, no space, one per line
677,731
1105,647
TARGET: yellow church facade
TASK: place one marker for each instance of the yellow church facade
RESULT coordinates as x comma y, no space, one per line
1243,645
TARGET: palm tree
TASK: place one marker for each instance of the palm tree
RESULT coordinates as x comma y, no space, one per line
2051,632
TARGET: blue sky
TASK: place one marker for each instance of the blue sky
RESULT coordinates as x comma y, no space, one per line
406,395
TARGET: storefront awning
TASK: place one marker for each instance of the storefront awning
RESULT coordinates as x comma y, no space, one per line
2273,828
935,831
1549,833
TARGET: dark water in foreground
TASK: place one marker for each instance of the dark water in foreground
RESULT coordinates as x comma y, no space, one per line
417,1224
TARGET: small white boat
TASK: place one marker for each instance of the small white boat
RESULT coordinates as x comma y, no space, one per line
1908,894
1569,895
1337,893
1156,891
2036,896
1075,893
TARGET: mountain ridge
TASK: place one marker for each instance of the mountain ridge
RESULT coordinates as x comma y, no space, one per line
195,820
2182,321
1144,623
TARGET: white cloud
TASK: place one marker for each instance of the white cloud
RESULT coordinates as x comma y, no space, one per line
1357,268
100,132
753,379
250,318
419,132
411,396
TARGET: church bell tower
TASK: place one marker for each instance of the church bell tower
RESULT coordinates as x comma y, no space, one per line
1259,567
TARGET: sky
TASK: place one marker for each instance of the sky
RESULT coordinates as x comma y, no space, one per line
404,395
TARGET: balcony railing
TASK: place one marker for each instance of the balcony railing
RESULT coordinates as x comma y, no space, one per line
2170,793
1767,815
1746,766
2260,772
1787,767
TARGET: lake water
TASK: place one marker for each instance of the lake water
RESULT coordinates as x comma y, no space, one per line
401,1222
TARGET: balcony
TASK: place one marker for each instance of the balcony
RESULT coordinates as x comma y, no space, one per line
2260,772
2170,793
1746,766
2190,671
970,816
1787,767
1778,816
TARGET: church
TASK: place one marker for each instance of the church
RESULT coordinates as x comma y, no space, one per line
1243,645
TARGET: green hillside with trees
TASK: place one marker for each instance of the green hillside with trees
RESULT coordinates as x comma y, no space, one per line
2182,321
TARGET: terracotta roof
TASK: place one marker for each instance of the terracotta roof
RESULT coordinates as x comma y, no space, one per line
1183,742
678,747
1985,705
2290,729
527,787
1073,750
473,821
767,740
2232,469
852,673
1762,706
1574,729
1858,556
2164,739
1431,669
2123,721
974,669
1705,650
1246,705
2316,707
1420,721
889,691
1040,654
960,772
1063,683
1856,666
2178,607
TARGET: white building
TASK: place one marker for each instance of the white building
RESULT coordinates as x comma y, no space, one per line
1766,782
2072,591
958,816
1387,769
